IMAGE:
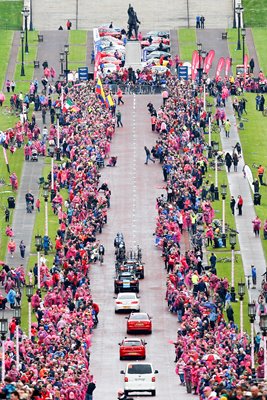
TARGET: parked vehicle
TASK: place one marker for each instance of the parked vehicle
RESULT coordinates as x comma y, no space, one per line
140,377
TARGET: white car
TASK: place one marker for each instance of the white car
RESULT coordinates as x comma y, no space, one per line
139,377
127,301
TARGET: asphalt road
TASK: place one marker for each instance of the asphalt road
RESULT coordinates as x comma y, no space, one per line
134,187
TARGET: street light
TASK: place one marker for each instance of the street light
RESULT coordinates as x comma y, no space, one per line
66,51
45,195
22,71
241,294
29,294
199,49
223,193
243,34
61,59
31,24
58,111
26,12
232,240
209,110
215,148
239,10
204,79
263,326
252,317
17,316
3,332
38,245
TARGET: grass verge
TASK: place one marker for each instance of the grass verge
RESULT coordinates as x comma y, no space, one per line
259,35
10,15
187,43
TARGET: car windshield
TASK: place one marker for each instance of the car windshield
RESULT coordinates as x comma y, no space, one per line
139,317
127,296
132,343
139,369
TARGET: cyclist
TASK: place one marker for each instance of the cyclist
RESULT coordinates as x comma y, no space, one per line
101,252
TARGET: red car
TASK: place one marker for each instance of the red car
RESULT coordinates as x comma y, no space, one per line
132,348
109,32
139,322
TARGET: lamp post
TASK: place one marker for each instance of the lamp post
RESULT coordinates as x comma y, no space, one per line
66,51
3,332
239,11
243,34
241,294
61,59
31,23
232,240
204,79
58,134
209,109
45,194
223,193
215,147
234,19
26,12
17,316
199,49
263,326
29,293
22,71
252,316
38,245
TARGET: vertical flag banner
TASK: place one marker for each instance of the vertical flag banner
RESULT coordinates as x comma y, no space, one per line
245,64
227,66
195,63
100,91
208,61
220,66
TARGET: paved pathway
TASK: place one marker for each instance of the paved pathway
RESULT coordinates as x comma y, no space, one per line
211,39
252,50
10,72
153,14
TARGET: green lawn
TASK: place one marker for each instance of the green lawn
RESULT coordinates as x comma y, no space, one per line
255,12
77,54
10,14
255,151
236,55
187,43
6,38
259,35
77,37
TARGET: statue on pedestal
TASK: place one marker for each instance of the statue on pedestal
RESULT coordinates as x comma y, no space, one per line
133,22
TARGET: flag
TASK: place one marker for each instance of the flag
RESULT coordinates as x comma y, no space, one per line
208,61
68,104
245,65
220,66
227,66
109,101
194,67
100,91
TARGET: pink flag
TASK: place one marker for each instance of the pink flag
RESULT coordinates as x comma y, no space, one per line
208,61
220,66
245,64
227,65
195,62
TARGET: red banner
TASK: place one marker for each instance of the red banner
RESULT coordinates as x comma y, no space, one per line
227,66
208,61
97,61
220,66
245,64
195,62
